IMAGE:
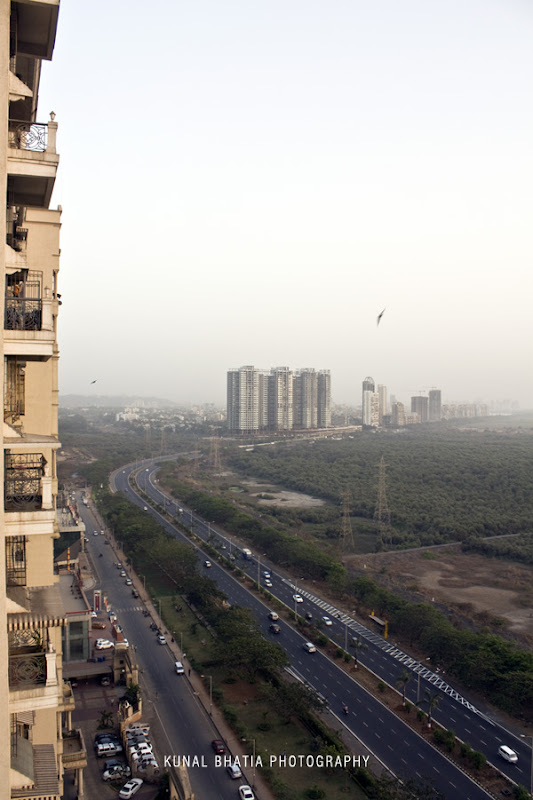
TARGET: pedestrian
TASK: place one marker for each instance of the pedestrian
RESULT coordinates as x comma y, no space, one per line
189,672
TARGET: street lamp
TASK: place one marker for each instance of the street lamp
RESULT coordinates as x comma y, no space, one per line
528,736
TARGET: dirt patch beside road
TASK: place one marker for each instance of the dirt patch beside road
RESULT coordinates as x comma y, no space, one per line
469,583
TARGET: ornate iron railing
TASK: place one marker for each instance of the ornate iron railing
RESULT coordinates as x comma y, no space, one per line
16,560
22,314
27,669
28,135
23,473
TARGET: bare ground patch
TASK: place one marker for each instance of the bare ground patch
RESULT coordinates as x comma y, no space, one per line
463,581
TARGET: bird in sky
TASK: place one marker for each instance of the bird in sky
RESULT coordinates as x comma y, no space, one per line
91,383
379,317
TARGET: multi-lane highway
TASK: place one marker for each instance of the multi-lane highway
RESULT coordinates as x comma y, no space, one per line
395,744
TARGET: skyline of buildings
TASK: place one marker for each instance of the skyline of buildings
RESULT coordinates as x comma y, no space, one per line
278,399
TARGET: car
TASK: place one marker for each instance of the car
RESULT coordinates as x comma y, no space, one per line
101,738
85,539
179,668
116,773
274,628
118,565
115,762
297,598
107,749
102,533
268,583
266,574
93,614
508,754
218,746
141,749
145,508
309,647
161,639
245,792
234,771
128,581
327,621
95,533
207,563
130,788
135,593
309,616
273,616
123,573
101,626
106,681
103,644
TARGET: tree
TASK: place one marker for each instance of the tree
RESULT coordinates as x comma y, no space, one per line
432,700
402,682
358,644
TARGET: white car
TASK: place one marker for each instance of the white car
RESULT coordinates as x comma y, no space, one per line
179,668
245,793
103,644
130,788
268,583
161,639
508,754
207,564
327,621
234,771
116,773
309,647
297,598
128,581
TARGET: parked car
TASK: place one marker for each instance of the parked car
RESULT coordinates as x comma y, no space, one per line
123,573
108,749
103,644
106,737
115,762
130,788
218,746
98,625
116,773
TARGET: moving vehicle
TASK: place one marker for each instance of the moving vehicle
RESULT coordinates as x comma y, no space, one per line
161,639
245,792
246,553
234,771
179,668
508,754
274,628
297,598
309,647
273,616
327,621
207,563
218,746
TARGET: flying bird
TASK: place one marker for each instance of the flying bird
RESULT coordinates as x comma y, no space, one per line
91,383
379,317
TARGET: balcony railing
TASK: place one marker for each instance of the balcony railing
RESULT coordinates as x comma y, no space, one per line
27,669
23,481
28,135
24,306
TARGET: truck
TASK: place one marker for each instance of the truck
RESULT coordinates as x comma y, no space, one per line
246,553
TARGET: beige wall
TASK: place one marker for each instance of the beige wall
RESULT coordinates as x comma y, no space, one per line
4,691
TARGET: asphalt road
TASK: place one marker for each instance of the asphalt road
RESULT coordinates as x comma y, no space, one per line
185,729
395,744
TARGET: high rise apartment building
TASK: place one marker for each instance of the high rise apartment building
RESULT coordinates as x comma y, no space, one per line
35,704
370,404
435,405
420,406
277,400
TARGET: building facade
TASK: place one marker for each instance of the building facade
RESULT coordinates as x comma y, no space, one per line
435,405
35,703
277,400
420,406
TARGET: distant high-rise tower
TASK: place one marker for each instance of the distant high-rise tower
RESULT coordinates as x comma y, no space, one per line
244,396
305,398
383,406
435,405
420,406
398,415
370,403
324,399
280,399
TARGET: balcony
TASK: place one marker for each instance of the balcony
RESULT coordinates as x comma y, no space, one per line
32,162
36,26
29,316
23,481
74,750
27,670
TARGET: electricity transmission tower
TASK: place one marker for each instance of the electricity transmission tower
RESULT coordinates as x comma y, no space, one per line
214,453
346,526
382,513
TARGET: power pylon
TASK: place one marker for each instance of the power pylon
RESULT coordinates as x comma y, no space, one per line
382,512
346,526
214,453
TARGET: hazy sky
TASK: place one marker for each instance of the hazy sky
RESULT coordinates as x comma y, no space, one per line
252,182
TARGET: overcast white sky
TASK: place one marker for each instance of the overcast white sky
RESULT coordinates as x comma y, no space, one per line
252,182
